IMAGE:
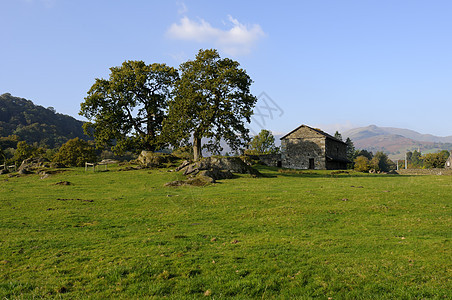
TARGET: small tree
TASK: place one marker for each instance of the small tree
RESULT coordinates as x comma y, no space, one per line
362,164
381,163
23,152
338,135
263,143
75,152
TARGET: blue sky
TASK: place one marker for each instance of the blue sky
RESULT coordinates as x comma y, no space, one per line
329,64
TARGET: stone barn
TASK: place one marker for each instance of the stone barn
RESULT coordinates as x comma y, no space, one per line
449,162
311,148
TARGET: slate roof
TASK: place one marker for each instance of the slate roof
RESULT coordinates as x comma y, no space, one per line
316,130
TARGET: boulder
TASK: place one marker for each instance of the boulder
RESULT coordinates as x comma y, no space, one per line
231,164
155,160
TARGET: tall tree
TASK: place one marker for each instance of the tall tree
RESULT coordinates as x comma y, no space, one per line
263,143
128,109
212,100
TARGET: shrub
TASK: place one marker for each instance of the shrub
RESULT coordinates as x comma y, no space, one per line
362,164
75,152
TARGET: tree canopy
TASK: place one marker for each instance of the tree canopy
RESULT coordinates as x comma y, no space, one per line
263,143
212,100
127,110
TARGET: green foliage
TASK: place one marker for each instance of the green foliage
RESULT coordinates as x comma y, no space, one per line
435,160
75,152
212,100
364,153
25,151
185,152
415,159
35,124
263,143
362,164
381,163
338,135
127,110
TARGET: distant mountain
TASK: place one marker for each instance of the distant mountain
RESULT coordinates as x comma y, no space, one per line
36,124
396,141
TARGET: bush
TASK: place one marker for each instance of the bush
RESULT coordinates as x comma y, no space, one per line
362,164
74,153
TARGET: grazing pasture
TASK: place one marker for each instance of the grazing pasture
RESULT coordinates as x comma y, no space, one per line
290,234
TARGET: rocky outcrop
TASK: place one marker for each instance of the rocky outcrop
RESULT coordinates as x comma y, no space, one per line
211,169
215,164
155,160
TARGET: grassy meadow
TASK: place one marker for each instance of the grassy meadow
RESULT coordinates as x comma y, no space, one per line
289,235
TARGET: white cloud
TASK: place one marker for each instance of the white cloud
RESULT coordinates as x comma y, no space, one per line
238,40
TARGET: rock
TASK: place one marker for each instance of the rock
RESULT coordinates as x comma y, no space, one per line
24,171
183,165
200,180
175,183
155,160
216,173
231,164
34,163
63,183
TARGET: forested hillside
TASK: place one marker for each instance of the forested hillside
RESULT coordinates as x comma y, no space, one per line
36,124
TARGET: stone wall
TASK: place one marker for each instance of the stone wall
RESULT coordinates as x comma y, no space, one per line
425,172
338,152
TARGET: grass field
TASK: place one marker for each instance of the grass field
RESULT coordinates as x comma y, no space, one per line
288,235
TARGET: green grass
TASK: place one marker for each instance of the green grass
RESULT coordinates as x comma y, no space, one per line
288,235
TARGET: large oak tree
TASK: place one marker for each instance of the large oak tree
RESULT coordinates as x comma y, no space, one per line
128,109
212,100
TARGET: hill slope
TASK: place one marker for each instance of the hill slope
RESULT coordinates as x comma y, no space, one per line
33,123
396,141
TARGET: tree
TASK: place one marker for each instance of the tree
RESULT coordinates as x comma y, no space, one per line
74,153
212,100
338,135
128,109
362,164
416,159
23,152
436,160
263,143
350,151
381,163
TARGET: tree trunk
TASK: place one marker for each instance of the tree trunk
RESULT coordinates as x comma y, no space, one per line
197,154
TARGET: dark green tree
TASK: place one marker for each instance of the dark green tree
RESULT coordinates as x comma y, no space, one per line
74,153
350,150
263,143
127,110
381,163
338,135
213,101
416,159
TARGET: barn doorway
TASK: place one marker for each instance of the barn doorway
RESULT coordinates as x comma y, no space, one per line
311,164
